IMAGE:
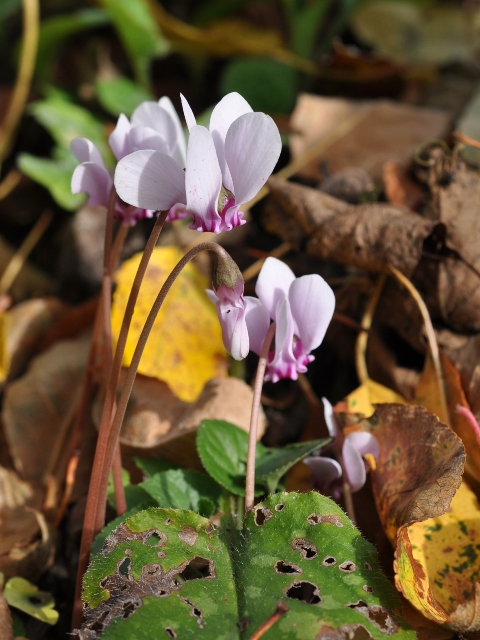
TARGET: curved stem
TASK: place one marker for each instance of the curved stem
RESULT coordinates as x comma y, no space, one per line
103,460
252,434
366,323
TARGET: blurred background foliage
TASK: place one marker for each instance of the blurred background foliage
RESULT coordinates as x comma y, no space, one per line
98,59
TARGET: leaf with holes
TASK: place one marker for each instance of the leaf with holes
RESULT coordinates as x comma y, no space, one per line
167,573
223,447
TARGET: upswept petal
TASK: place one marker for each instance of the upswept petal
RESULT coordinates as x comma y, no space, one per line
313,302
330,419
231,107
188,113
324,470
273,283
85,151
203,180
91,178
150,180
179,150
147,138
258,321
364,442
354,466
211,294
150,114
284,362
252,148
119,139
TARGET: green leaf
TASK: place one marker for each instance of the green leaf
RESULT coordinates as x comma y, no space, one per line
139,33
305,26
18,626
223,448
151,466
163,573
267,85
167,573
24,595
54,175
107,530
65,121
120,95
53,31
276,462
181,489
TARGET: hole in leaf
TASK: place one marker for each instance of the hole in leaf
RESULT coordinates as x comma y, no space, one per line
198,569
287,567
196,613
367,566
305,591
329,561
367,588
123,567
170,632
153,540
35,600
168,521
262,514
318,518
377,615
306,548
345,632
128,609
279,507
348,566
243,624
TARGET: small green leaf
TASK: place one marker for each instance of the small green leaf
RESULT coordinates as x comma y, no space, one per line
24,595
107,530
305,26
139,33
18,626
121,95
267,85
181,489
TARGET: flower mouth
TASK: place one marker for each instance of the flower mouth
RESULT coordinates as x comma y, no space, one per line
226,199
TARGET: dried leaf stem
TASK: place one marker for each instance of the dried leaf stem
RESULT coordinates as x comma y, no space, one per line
28,54
280,611
8,184
252,434
466,140
366,323
432,340
104,458
20,256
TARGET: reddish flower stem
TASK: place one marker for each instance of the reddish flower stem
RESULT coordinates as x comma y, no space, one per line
279,612
98,488
252,434
472,421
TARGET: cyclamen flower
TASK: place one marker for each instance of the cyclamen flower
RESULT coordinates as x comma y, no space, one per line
226,166
327,472
301,307
153,126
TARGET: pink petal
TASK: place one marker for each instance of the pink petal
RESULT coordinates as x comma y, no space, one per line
273,283
258,321
330,419
179,150
324,470
284,362
119,139
150,114
150,180
85,151
203,181
313,302
188,113
93,179
364,442
252,148
147,138
231,314
231,107
354,466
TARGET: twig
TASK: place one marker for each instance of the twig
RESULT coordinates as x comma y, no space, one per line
366,323
10,181
24,77
432,340
279,612
20,256
466,140
252,434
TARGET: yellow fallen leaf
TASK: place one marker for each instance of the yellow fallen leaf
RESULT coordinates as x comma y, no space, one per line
24,595
437,564
362,399
185,347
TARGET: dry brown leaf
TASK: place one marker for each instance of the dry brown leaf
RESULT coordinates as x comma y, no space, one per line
387,132
399,188
158,423
37,404
369,236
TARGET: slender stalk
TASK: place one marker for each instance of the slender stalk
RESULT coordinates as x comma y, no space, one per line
118,245
252,434
103,458
280,610
120,500
347,489
366,323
